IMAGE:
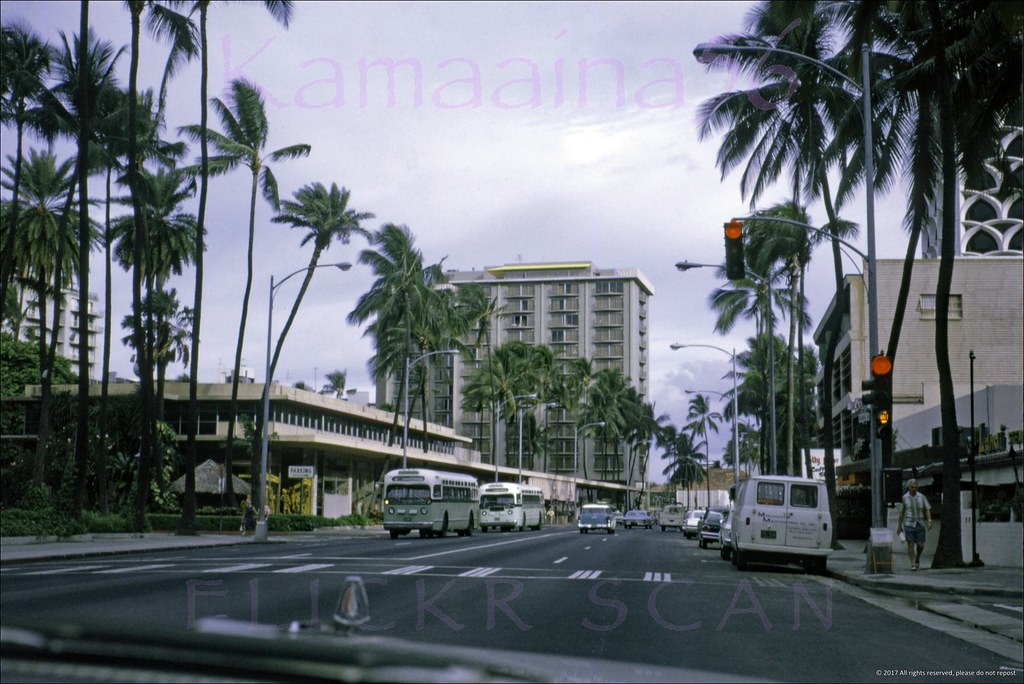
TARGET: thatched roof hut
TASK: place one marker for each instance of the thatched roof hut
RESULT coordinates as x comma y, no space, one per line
210,480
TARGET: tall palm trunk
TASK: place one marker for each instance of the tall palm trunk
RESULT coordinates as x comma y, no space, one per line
187,525
108,290
254,460
147,429
948,553
792,457
82,442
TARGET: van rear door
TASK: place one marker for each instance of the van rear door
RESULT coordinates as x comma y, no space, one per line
803,515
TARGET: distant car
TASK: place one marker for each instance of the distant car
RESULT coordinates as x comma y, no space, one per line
637,518
691,526
711,529
596,517
725,547
671,516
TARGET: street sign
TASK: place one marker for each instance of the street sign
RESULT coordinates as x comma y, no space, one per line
301,471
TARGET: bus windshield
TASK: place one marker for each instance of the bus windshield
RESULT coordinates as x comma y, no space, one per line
493,502
408,494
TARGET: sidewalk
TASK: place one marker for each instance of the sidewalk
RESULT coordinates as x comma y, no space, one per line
935,591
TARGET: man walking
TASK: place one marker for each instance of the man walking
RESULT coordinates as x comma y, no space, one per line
914,516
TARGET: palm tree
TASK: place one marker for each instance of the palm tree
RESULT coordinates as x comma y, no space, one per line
925,59
244,120
281,10
47,261
683,468
397,298
702,422
26,60
335,383
327,216
171,241
163,22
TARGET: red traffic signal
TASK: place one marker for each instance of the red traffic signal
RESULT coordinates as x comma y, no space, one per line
734,267
878,393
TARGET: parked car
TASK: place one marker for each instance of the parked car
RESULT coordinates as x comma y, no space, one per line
672,517
637,518
596,517
691,526
725,546
779,519
710,529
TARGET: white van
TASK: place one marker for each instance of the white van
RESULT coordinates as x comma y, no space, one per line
780,519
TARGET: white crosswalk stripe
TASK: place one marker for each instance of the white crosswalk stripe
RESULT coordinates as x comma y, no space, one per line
238,568
657,577
311,567
768,582
408,570
58,571
479,572
585,574
134,568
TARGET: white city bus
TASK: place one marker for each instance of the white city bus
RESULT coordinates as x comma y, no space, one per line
510,506
431,501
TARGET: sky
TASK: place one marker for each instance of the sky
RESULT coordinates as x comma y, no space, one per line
491,145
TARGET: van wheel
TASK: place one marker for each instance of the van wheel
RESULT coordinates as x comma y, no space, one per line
741,560
724,552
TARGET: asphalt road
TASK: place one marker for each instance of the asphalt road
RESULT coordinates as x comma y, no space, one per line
637,595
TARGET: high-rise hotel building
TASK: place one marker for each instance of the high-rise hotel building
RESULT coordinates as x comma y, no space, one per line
578,310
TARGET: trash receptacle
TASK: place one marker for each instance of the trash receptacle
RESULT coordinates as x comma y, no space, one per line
879,559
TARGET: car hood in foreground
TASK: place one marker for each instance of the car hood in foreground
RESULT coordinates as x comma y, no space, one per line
263,653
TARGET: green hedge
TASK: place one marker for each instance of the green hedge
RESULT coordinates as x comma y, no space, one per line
46,522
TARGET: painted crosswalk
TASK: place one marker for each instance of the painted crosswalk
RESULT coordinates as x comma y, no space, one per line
408,570
134,568
585,574
310,567
479,572
657,577
241,567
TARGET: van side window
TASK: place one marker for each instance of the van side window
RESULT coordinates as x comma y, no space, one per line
771,493
803,496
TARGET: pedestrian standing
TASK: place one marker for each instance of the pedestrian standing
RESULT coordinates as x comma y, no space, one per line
248,519
915,517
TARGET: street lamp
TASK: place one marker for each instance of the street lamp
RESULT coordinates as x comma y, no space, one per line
735,416
706,52
575,458
772,438
497,429
409,363
261,501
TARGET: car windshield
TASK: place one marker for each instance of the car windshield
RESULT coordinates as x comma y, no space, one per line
286,286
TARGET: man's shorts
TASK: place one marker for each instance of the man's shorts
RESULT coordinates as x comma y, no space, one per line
914,533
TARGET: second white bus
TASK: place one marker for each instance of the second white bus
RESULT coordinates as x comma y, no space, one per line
431,501
510,506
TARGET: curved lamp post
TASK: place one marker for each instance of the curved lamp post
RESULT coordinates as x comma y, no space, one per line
261,524
575,458
705,53
735,415
497,429
409,363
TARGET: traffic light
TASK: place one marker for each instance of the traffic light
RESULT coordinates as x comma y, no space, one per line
878,394
734,268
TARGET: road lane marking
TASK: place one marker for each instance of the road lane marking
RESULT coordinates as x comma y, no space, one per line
238,568
311,567
477,547
408,570
657,577
479,572
57,571
561,560
134,568
585,574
